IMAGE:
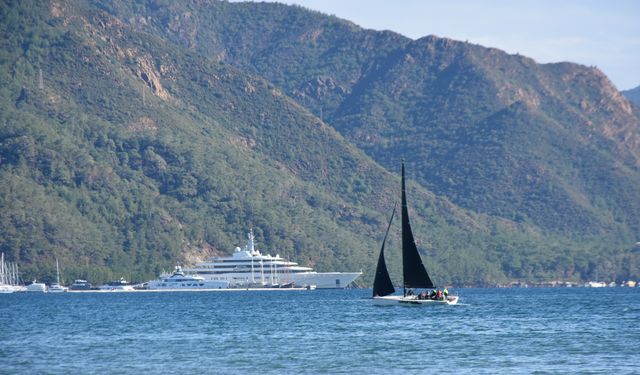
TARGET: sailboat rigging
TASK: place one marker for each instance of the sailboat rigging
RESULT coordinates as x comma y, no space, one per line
414,273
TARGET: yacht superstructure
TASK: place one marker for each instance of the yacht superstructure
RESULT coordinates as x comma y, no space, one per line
248,267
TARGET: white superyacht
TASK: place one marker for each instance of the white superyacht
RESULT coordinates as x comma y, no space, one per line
248,267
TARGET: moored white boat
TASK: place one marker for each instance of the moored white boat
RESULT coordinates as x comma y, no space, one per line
36,287
178,280
56,287
117,286
414,272
595,284
6,288
80,284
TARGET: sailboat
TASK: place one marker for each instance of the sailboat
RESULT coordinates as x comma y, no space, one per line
56,287
413,271
9,278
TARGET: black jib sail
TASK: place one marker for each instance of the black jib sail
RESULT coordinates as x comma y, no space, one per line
382,285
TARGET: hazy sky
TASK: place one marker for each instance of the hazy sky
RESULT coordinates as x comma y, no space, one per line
602,33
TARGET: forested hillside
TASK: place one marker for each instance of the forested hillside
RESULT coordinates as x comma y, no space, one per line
134,136
495,133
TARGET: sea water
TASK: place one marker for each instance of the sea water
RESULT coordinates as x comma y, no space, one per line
509,331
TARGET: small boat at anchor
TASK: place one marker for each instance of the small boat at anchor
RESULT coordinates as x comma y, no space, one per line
57,287
36,287
413,270
121,285
81,284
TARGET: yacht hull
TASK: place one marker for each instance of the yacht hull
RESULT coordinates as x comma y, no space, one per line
37,288
5,289
413,301
205,285
57,288
325,280
124,288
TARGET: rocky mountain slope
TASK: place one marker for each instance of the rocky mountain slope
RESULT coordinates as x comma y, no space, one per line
633,95
135,136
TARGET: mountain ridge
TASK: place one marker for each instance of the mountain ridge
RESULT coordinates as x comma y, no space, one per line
633,95
491,70
156,151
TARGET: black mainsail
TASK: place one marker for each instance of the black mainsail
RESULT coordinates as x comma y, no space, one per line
414,273
382,285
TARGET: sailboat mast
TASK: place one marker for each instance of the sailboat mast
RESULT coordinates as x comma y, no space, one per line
16,281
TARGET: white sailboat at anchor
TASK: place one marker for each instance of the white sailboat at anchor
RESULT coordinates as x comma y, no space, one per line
9,277
56,287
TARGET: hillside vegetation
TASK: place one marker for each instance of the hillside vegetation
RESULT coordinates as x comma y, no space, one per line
135,136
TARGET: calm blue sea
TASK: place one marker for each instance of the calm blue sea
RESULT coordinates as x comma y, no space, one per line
508,331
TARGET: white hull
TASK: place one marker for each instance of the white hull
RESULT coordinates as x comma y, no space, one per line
325,280
37,288
5,289
123,288
321,280
121,285
595,284
207,285
412,301
55,288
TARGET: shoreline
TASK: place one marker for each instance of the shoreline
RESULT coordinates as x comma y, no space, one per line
191,290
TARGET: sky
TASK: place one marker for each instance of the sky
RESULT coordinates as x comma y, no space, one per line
605,34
